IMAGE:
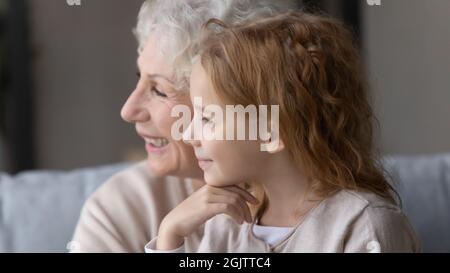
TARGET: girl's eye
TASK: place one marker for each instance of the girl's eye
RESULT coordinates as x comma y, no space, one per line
158,93
205,120
138,74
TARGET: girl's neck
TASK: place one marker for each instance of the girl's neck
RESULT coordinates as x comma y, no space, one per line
197,184
288,193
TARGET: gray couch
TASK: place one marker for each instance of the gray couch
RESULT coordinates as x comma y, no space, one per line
39,209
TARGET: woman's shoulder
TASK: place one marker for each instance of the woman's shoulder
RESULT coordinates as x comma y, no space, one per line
135,193
138,181
125,211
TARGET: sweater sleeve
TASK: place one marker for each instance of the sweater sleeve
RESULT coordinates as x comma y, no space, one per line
151,248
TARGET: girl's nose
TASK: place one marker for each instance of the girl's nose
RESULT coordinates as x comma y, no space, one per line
133,110
189,136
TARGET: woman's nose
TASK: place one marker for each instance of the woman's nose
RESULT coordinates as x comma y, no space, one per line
133,110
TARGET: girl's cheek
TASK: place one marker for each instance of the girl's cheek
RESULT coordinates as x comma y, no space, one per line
211,149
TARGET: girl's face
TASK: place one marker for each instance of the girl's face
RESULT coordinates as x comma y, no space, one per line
224,162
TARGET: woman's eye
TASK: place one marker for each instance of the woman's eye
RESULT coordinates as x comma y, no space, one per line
138,74
158,93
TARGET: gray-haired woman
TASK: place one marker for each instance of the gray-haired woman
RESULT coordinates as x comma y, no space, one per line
126,212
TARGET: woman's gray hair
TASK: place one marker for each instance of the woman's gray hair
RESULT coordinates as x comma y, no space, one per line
180,23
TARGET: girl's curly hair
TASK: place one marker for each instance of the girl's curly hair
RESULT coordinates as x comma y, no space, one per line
309,65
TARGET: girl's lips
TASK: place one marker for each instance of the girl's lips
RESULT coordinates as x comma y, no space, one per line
204,163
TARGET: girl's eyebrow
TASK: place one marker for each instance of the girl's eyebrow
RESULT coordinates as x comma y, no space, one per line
202,109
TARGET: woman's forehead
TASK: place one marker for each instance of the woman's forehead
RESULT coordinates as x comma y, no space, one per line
153,61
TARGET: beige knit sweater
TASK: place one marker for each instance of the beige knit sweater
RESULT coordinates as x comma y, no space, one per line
125,212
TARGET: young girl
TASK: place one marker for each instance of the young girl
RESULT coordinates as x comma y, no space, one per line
320,189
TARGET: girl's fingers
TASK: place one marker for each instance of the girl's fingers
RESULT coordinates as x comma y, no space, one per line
229,209
245,194
237,201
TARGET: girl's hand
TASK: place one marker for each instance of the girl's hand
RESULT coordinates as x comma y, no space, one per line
199,207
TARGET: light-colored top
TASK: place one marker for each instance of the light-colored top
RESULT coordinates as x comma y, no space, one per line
270,235
125,212
346,221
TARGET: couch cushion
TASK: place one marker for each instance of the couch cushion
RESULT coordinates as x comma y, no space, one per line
423,183
39,209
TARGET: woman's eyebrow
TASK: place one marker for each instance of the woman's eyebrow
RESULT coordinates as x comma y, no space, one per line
153,75
160,76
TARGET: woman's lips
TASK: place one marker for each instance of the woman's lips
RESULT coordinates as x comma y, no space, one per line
154,145
204,163
151,149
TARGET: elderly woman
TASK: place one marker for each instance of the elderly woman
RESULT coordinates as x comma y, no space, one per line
126,211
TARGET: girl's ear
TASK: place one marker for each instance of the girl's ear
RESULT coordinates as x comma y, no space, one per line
271,141
272,145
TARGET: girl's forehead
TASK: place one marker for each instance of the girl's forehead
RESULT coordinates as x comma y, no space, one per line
200,83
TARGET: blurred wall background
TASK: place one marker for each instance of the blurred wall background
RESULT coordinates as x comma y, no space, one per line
406,44
82,68
83,63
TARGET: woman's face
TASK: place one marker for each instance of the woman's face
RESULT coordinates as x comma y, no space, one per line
224,162
149,108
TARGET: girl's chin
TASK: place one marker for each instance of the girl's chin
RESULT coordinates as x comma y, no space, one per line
215,182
